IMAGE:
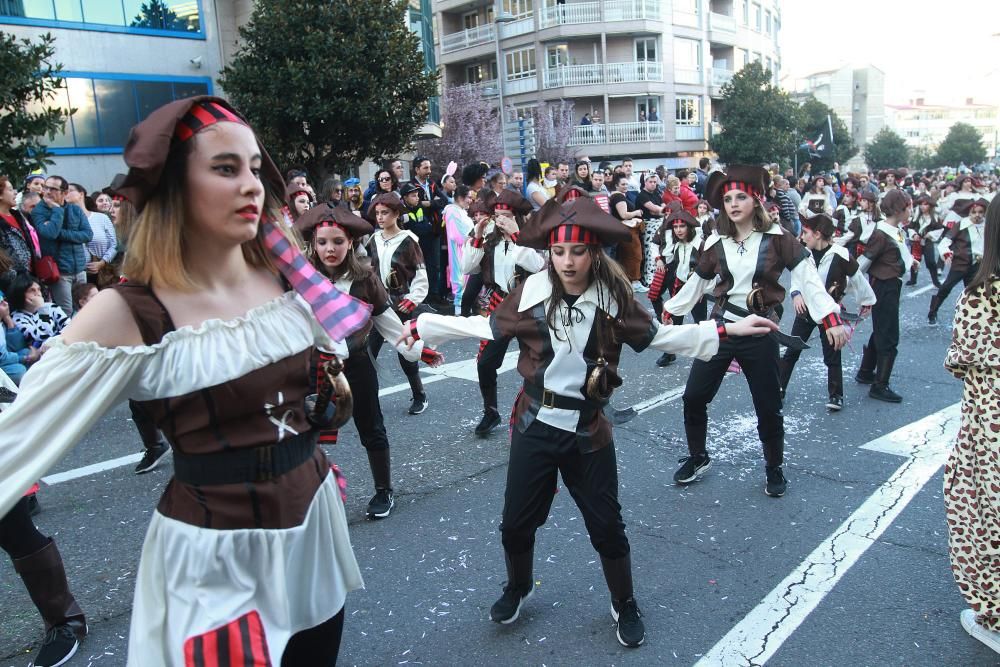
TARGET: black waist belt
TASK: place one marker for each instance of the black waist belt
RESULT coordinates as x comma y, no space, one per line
257,464
550,399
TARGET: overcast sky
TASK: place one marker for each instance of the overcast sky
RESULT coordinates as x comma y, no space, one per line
942,51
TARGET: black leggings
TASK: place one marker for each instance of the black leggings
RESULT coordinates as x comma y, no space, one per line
316,646
18,535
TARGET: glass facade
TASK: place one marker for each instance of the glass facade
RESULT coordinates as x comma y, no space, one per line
180,16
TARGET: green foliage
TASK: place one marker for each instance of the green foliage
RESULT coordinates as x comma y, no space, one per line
963,143
758,119
886,151
31,80
328,84
812,115
923,157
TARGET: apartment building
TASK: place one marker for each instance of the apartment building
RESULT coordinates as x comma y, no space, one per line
649,72
926,125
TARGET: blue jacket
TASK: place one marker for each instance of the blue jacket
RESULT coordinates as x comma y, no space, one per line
62,231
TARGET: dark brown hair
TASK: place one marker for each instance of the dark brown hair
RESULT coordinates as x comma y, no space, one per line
989,265
894,202
350,267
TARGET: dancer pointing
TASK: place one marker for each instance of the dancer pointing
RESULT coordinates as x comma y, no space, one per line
570,322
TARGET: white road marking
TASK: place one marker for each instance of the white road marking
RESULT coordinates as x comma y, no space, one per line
658,400
755,639
92,469
918,292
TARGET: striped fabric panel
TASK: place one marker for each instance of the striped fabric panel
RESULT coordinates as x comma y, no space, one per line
239,643
339,314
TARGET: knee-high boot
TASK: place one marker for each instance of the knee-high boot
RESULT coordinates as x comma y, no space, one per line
880,390
932,312
913,275
866,371
491,414
45,578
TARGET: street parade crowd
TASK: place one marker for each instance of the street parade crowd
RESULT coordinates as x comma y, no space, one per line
212,292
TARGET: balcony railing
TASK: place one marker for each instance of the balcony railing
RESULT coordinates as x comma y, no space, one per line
467,38
689,19
586,75
524,84
689,132
524,24
684,75
590,12
721,22
617,133
721,77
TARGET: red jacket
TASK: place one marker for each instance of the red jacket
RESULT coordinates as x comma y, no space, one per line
687,198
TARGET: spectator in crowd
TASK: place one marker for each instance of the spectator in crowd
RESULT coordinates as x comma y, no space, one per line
585,120
422,179
702,175
420,221
15,237
82,294
332,191
628,253
354,197
62,229
786,199
396,167
13,362
597,182
457,226
537,192
516,181
384,181
298,200
688,198
300,179
37,319
706,221
550,182
103,247
581,176
563,171
28,203
497,181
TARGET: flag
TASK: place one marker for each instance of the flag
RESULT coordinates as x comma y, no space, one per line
820,143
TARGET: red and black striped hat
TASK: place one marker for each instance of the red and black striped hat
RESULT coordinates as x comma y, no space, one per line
151,142
752,180
577,220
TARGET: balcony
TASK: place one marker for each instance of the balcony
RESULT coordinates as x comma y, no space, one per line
467,38
586,75
688,76
721,22
616,133
689,132
721,77
522,25
525,83
590,12
687,19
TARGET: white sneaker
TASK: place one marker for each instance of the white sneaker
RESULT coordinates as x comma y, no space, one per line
639,288
986,636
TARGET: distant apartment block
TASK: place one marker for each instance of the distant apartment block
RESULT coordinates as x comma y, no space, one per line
926,125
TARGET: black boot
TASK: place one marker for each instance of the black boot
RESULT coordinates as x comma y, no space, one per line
490,420
880,390
866,372
618,573
835,387
932,313
666,359
519,587
913,276
383,501
491,415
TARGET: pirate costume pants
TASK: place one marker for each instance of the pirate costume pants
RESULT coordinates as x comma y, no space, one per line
758,357
803,327
490,359
931,261
410,368
954,277
537,457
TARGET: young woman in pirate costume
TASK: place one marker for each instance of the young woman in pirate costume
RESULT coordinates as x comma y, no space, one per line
748,255
399,263
570,323
248,554
331,234
493,252
675,246
860,229
885,261
962,248
844,214
926,230
841,276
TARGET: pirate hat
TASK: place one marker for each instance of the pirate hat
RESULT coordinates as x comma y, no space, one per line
329,215
293,191
820,223
578,220
507,200
390,200
752,180
964,206
675,212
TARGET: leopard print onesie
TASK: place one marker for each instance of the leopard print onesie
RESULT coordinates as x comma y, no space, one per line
972,473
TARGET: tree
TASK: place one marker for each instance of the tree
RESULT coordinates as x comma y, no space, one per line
758,119
886,151
963,143
470,130
813,117
329,84
554,125
922,157
156,14
31,80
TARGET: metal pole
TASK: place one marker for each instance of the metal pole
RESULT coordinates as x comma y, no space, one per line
497,13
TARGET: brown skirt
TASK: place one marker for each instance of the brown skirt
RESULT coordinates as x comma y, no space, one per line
630,254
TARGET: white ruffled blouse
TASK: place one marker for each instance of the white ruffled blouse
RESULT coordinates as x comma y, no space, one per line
64,394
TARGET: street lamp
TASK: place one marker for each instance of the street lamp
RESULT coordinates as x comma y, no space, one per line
502,17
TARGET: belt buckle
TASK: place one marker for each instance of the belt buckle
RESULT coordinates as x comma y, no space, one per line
265,463
548,399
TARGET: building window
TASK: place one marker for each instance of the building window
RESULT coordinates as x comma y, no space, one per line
746,58
557,55
470,20
767,22
158,16
520,64
108,106
745,12
756,17
517,7
645,50
689,6
687,54
687,110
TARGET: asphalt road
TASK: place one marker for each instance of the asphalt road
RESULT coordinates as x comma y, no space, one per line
705,556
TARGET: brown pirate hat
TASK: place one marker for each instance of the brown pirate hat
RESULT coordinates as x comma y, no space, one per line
579,220
327,215
752,180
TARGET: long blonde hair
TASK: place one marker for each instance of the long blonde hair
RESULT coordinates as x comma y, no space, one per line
157,239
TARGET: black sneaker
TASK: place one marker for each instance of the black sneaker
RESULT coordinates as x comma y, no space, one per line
59,645
418,405
508,607
932,318
882,392
490,420
693,467
151,458
836,403
776,483
381,504
34,509
666,359
631,631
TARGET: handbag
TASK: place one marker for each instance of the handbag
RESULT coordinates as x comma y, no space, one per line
46,270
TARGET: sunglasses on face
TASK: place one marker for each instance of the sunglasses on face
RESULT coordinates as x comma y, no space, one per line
384,179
